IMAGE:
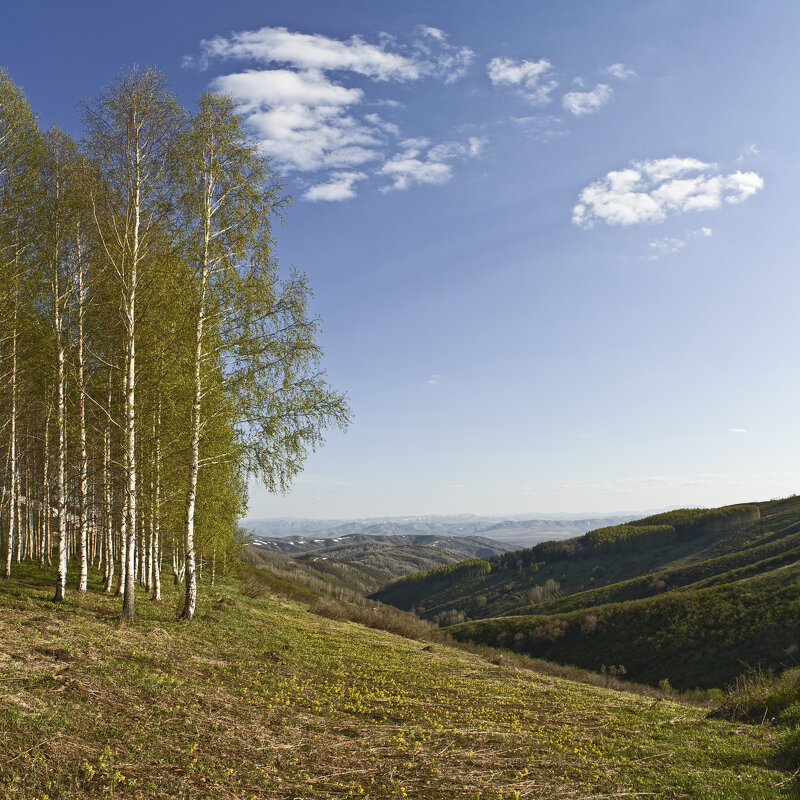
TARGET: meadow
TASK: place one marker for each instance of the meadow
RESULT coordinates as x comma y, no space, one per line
259,697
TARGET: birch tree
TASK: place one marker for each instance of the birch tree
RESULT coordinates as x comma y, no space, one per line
19,142
58,254
132,130
153,356
251,332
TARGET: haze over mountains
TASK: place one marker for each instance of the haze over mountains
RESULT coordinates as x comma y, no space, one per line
515,531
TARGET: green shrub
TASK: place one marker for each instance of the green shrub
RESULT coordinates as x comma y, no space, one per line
759,695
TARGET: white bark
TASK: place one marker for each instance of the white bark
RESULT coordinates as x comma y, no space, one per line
13,504
157,520
194,451
130,379
61,577
47,546
107,507
83,579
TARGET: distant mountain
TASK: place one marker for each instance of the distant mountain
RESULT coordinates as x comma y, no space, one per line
456,525
518,531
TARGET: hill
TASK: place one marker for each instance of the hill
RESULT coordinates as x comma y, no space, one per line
690,596
367,562
259,698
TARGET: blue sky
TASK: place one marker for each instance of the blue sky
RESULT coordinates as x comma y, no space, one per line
553,245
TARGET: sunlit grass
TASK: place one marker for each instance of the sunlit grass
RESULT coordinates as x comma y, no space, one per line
259,698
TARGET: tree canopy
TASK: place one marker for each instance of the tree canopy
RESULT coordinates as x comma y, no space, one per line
154,354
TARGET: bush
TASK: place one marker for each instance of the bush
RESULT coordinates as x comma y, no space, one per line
550,588
759,695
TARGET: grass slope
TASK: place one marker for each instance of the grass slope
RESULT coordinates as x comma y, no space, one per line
258,698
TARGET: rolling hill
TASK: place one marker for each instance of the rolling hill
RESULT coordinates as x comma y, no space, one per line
364,563
692,596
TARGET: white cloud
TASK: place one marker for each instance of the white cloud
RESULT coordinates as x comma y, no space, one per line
307,119
430,55
581,103
541,128
303,119
748,151
312,52
665,246
415,144
442,59
406,171
339,187
532,78
434,379
620,71
274,88
447,151
299,132
649,191
434,33
413,165
668,245
737,430
389,127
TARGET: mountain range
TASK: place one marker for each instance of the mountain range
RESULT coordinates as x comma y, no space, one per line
522,530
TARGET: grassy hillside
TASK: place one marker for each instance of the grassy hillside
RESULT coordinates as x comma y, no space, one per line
689,596
258,698
331,576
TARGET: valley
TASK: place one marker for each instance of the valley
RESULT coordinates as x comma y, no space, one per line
694,602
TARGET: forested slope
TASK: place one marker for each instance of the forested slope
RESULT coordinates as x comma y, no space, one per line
693,596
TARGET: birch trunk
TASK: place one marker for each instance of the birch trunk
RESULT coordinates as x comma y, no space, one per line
46,509
83,579
130,383
61,576
157,520
107,506
153,582
194,452
12,506
123,545
48,523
